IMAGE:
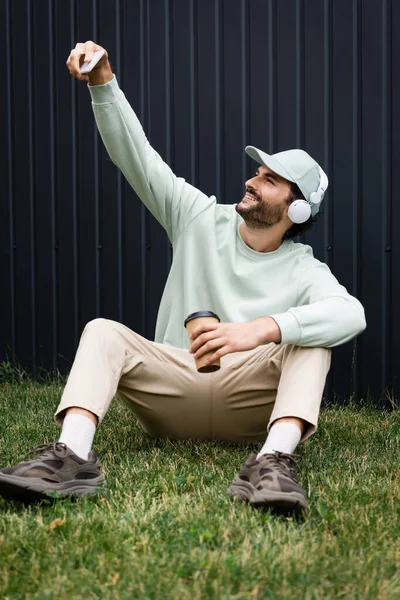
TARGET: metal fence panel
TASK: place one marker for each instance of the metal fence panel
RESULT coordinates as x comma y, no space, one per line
206,78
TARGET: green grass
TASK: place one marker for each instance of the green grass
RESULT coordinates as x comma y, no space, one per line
168,529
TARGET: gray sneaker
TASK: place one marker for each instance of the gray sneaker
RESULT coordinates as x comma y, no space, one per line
56,471
270,481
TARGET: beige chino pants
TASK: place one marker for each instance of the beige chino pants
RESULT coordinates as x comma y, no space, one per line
161,386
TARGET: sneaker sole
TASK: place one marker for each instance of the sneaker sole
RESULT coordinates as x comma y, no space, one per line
35,489
280,501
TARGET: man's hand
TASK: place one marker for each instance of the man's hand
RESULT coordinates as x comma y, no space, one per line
101,73
225,338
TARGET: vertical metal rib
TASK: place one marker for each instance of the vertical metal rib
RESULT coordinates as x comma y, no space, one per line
300,73
193,95
244,35
53,180
219,86
300,80
97,188
328,214
143,113
121,237
167,54
386,193
32,182
10,152
328,148
357,207
74,177
272,133
168,102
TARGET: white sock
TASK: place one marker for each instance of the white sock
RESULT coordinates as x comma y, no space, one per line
78,433
282,437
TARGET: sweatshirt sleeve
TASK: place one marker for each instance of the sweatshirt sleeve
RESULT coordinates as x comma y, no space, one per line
172,201
326,315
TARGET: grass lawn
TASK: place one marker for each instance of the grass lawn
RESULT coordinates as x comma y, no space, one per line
168,529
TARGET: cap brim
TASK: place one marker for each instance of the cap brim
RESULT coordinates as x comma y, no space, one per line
266,159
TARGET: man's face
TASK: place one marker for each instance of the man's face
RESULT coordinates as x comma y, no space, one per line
266,199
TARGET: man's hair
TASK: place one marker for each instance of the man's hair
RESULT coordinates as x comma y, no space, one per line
298,229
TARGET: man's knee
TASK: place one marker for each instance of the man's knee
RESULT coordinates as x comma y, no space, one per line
103,327
96,324
308,350
316,355
100,325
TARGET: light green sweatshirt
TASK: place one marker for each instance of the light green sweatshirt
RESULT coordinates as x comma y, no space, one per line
212,268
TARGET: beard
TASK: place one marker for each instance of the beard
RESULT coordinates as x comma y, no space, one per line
261,214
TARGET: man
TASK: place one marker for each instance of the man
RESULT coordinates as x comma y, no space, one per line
281,311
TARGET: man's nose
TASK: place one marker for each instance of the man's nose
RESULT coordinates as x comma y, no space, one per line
249,182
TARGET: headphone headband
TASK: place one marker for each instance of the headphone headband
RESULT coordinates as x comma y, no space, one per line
316,197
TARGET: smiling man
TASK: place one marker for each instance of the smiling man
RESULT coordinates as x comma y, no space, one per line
281,311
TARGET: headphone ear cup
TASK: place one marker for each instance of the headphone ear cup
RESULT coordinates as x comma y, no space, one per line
299,211
316,197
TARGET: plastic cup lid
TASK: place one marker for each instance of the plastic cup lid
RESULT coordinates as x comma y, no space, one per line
201,313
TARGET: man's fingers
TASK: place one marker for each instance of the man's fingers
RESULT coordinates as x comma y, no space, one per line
203,328
219,352
202,339
73,60
80,54
88,50
212,344
216,356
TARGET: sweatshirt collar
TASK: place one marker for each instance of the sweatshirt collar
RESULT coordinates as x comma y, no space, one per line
247,251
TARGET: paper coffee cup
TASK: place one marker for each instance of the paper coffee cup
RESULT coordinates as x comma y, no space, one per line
194,319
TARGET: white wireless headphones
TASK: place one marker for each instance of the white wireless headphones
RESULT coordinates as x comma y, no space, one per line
300,210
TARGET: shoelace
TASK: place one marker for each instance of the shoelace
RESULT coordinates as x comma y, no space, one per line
58,448
284,463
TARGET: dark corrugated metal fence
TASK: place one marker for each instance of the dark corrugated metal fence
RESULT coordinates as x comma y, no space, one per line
206,78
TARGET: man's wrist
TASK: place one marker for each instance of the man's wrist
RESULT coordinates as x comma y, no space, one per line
270,331
101,75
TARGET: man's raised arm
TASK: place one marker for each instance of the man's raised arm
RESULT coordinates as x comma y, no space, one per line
172,201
